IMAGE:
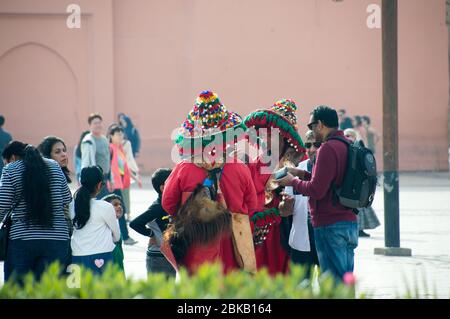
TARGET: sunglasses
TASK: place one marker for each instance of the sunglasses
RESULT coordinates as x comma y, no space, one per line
310,125
316,145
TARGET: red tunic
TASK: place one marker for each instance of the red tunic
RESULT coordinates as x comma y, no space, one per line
239,194
270,253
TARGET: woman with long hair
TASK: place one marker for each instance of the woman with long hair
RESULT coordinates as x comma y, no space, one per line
95,225
35,190
131,133
54,148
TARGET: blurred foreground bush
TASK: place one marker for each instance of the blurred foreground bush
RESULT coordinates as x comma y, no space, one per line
208,283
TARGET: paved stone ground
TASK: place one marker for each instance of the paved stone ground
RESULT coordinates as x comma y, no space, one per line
425,228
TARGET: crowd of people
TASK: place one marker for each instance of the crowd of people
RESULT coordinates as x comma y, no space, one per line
217,204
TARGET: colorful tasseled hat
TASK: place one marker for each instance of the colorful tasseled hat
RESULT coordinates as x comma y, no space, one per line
280,115
208,118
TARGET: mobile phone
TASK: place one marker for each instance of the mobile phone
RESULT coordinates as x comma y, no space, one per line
281,173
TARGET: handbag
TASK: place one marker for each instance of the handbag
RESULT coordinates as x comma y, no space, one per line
5,226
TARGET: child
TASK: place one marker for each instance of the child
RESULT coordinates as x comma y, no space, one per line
152,223
95,225
118,256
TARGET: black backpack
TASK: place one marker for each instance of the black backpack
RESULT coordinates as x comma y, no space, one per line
360,180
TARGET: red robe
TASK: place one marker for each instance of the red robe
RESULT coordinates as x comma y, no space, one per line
240,197
270,253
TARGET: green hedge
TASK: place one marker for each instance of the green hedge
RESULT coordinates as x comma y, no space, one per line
208,283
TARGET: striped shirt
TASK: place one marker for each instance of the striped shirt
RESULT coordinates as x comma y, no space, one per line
11,192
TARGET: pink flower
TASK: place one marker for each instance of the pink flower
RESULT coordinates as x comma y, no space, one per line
349,279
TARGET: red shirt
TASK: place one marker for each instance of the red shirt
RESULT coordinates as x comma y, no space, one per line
330,166
239,193
270,254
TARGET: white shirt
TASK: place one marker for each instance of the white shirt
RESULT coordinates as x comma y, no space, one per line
132,165
299,236
99,233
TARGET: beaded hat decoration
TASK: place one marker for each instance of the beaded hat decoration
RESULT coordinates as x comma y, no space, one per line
208,118
280,115
286,108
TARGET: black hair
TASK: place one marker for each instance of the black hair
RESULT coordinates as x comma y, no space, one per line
94,116
366,118
35,183
326,115
78,151
113,129
90,177
159,177
109,198
46,147
36,188
14,148
358,120
342,111
2,120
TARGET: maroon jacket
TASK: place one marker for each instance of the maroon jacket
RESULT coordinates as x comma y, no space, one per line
331,162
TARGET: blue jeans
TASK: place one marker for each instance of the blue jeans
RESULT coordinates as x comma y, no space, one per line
34,256
335,246
97,263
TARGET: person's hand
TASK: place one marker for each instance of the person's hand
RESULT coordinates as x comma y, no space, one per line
296,172
286,205
139,181
285,181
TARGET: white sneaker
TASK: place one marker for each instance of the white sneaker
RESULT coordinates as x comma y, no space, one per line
130,241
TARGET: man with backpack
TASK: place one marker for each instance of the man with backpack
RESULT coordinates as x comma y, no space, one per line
335,225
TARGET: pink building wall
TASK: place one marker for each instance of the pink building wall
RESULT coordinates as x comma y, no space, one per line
149,59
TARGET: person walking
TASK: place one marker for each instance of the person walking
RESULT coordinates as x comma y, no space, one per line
95,225
134,173
335,226
35,190
95,150
77,156
120,178
5,138
367,219
360,129
131,133
344,121
372,137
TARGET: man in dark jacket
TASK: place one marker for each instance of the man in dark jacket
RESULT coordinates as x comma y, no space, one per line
335,226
